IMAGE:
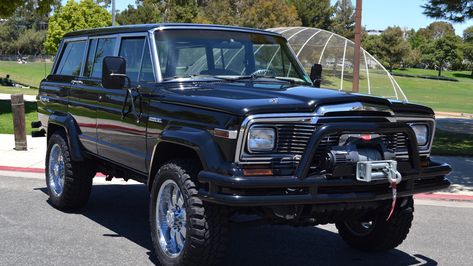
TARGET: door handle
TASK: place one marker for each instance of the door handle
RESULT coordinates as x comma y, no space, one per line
77,82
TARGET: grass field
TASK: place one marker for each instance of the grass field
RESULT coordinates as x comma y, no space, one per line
455,144
6,120
30,74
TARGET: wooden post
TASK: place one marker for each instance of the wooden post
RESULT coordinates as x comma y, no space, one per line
18,113
356,57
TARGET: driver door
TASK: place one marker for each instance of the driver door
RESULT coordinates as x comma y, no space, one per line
122,135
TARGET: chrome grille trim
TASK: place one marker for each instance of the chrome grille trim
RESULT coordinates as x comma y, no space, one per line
305,120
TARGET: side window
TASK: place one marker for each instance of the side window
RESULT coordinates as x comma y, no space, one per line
146,73
105,47
132,50
71,59
90,57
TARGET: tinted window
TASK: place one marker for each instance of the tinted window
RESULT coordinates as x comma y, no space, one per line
146,73
132,50
90,57
105,47
71,59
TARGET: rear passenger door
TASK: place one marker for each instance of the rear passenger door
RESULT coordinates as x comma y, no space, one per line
122,138
86,90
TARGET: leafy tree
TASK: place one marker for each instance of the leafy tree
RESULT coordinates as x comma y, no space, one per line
390,47
453,10
75,16
147,11
344,21
224,12
468,55
8,35
179,10
314,13
8,8
30,42
268,13
438,29
468,35
257,14
443,52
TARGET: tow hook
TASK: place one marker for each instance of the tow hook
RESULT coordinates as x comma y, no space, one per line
394,178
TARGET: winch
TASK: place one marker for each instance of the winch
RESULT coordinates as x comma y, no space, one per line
341,160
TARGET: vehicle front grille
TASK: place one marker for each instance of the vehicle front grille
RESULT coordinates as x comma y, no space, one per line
292,140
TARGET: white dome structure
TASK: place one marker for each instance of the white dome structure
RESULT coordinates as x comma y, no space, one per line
335,54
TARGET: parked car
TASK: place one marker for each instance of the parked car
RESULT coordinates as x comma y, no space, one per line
221,122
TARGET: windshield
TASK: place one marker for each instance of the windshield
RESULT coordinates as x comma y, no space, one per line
225,54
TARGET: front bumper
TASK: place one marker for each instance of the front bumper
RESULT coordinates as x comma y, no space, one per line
303,188
290,190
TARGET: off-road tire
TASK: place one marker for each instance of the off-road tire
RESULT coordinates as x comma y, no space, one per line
77,182
206,224
385,235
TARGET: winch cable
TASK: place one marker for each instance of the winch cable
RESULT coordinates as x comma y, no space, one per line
394,178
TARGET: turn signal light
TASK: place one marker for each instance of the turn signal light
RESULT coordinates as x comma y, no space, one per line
253,172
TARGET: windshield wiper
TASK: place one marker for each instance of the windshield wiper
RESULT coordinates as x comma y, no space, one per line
192,76
252,78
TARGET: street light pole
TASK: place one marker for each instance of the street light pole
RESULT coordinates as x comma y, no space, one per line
113,13
356,57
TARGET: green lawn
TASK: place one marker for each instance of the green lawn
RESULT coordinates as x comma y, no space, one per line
30,74
456,144
13,90
6,120
438,94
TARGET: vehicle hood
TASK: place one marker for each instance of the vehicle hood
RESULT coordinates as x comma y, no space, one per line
253,98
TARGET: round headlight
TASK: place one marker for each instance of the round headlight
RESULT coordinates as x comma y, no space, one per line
261,139
422,133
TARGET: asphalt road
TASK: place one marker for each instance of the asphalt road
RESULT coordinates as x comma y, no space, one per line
113,230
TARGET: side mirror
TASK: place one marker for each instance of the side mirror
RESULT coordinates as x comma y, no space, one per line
316,74
114,72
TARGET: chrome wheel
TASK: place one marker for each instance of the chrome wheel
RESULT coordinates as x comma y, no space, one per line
171,219
56,170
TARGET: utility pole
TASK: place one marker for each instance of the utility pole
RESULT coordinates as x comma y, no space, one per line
356,57
113,13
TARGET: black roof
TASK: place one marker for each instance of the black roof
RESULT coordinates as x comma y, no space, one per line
147,27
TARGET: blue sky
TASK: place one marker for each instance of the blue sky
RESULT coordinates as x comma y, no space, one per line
379,14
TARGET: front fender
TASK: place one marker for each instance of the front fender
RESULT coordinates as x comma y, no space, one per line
199,141
67,122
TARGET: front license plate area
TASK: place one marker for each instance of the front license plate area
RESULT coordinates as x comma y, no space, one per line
368,171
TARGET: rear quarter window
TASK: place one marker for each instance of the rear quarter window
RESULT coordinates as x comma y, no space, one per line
70,63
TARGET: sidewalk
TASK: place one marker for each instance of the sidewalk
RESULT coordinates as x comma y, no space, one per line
33,161
27,98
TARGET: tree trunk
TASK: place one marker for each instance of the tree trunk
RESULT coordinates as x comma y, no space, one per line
471,73
440,71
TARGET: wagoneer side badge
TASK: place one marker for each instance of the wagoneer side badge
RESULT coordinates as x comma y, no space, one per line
155,119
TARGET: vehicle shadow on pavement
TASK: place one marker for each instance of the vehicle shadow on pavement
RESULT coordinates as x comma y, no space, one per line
123,209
